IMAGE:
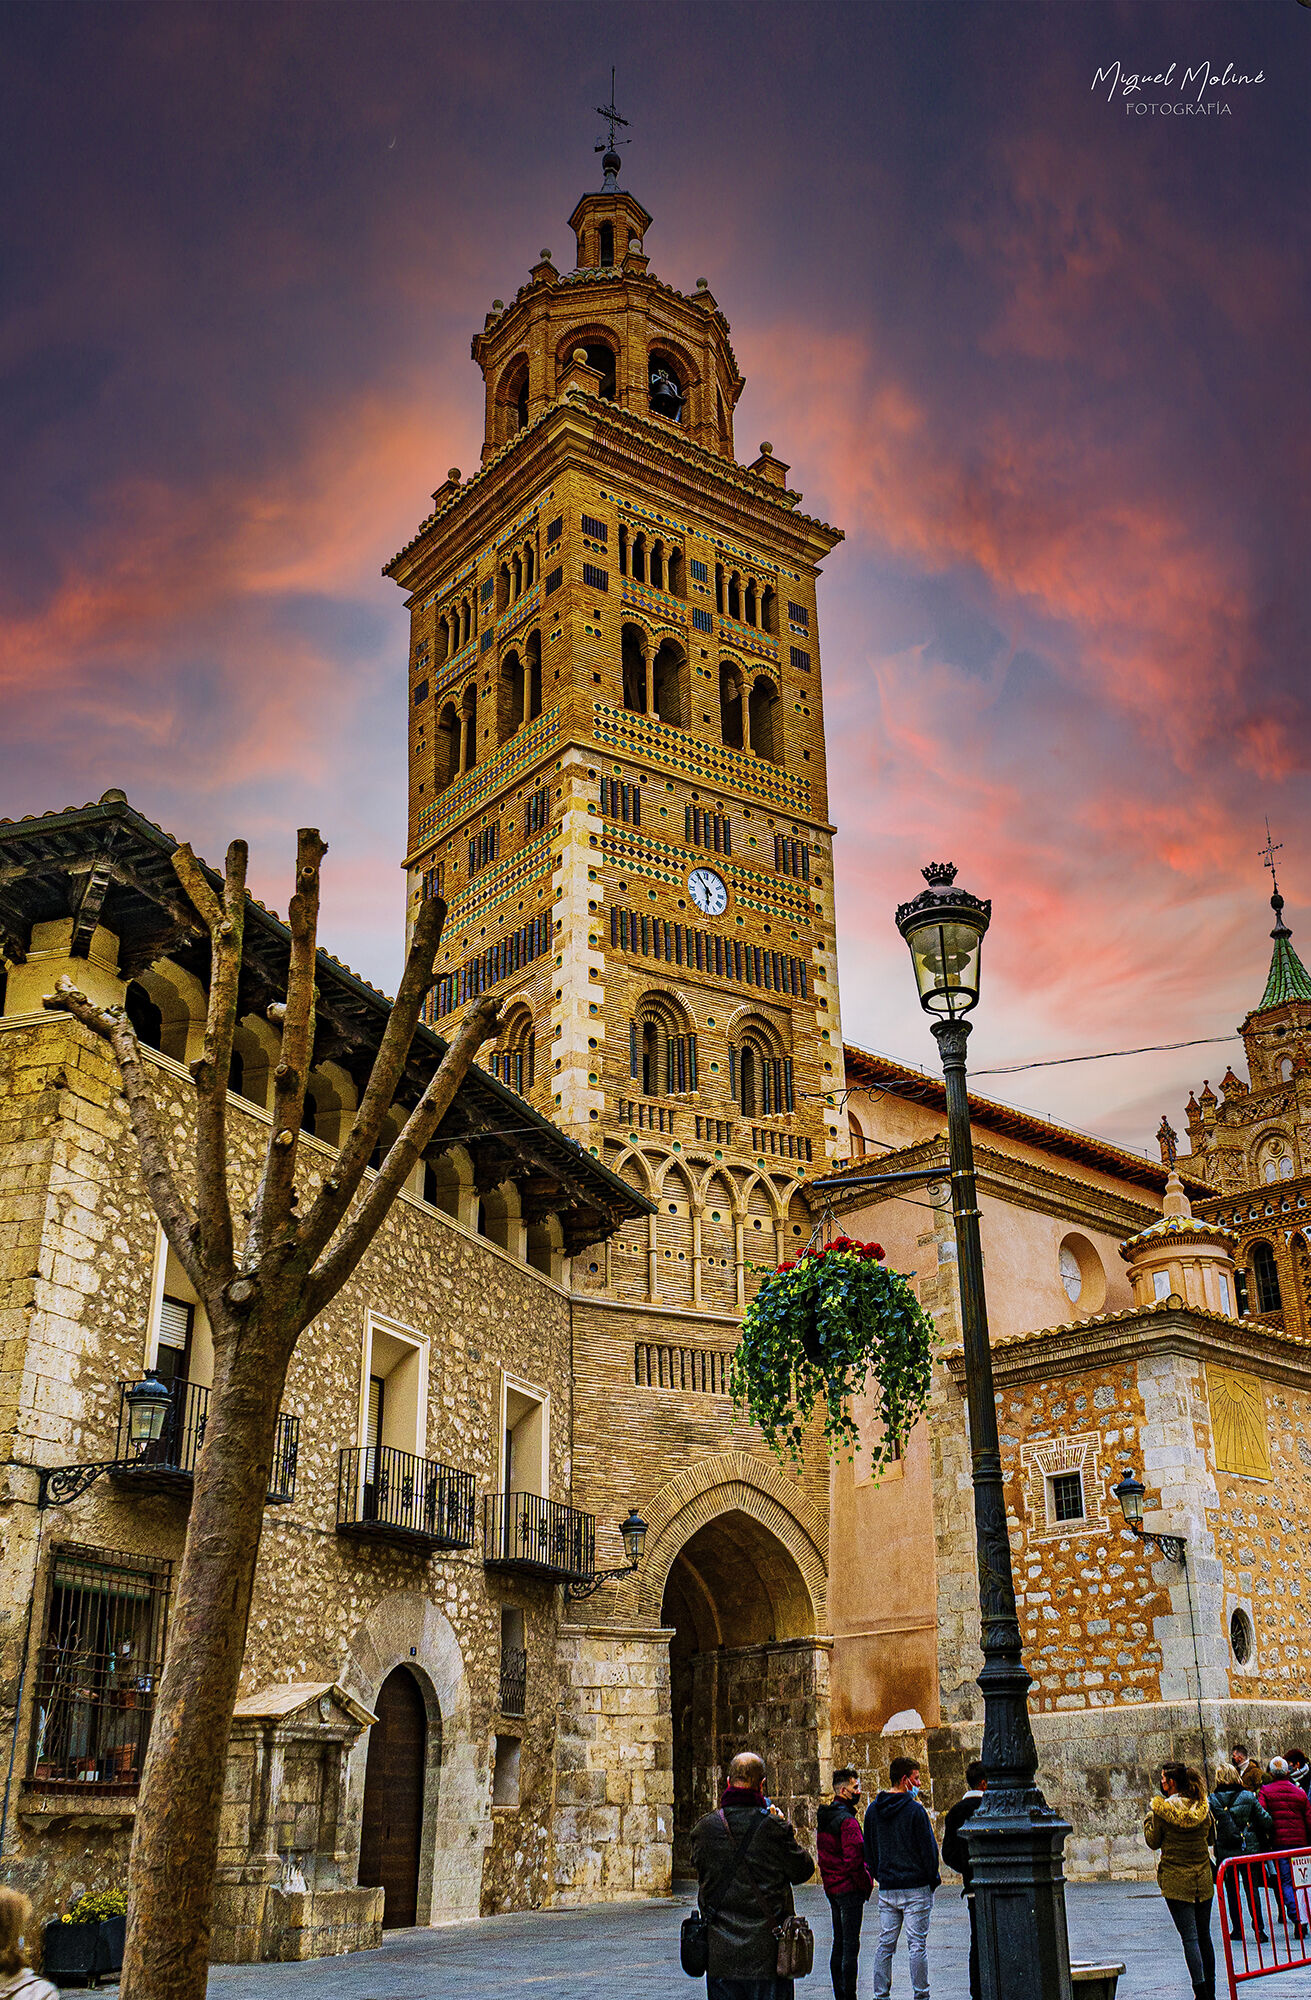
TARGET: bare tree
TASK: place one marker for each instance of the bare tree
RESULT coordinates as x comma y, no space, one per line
259,1297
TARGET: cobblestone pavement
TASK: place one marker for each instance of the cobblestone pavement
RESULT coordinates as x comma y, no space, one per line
629,1951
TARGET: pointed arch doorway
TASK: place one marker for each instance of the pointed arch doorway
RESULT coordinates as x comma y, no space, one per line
392,1825
745,1670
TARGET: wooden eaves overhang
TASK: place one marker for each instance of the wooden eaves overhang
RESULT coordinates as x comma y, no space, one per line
107,864
618,445
882,1075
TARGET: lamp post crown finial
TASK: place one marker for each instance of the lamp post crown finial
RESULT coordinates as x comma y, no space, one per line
940,873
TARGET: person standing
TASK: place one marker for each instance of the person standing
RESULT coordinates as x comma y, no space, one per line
17,1980
1298,1768
1249,1771
956,1854
1242,1826
902,1856
846,1879
747,1858
1289,1808
1179,1823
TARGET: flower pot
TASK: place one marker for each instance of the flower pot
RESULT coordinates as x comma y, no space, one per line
82,1954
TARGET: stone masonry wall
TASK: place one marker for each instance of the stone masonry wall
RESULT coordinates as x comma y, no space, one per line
613,1825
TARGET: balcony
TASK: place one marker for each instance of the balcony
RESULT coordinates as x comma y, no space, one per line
386,1495
542,1537
514,1680
168,1463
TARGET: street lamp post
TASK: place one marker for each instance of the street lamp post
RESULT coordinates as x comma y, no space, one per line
632,1533
1014,1839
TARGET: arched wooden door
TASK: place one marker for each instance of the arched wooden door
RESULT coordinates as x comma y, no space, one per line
393,1798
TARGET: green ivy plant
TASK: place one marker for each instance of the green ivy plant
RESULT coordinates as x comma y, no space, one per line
97,1905
817,1328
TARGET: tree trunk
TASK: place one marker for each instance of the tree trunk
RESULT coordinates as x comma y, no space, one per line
177,1823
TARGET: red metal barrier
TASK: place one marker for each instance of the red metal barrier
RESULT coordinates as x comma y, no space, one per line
1263,1902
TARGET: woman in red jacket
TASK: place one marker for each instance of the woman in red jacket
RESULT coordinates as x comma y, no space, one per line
1290,1810
847,1881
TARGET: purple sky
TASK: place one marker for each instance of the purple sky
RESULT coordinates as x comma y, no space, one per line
1042,358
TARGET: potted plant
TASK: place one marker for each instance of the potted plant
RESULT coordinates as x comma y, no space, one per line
80,1947
819,1327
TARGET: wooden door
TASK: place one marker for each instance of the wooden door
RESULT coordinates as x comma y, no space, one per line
393,1798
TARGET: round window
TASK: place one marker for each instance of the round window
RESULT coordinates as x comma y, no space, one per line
1082,1274
1241,1637
1071,1275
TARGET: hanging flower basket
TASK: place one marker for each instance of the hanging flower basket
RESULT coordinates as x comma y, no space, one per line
817,1328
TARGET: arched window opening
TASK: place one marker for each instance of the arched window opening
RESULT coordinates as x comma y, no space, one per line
515,1061
446,749
650,1059
466,622
719,588
516,579
521,405
607,243
639,559
764,717
657,565
309,1115
146,1018
769,610
533,673
735,596
750,605
725,439
623,549
529,566
510,697
633,652
669,677
1285,1069
746,1081
1265,1279
662,1048
469,729
667,395
857,1137
442,644
1275,1161
601,357
511,413
677,585
503,588
730,707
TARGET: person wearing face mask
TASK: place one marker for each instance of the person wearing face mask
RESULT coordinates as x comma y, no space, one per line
902,1856
957,1855
845,1877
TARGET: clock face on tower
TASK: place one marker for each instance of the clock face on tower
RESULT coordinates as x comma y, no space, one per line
707,892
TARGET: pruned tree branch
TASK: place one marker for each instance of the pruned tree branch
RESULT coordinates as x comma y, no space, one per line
273,1202
338,1190
478,1026
226,921
114,1027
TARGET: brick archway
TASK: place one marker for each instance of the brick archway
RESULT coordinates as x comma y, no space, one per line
735,1482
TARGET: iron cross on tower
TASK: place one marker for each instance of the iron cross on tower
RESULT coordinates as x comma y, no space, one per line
612,118
1271,848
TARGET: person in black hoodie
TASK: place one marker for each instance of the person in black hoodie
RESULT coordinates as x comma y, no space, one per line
957,1855
902,1856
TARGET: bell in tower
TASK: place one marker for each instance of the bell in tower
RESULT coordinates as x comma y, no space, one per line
666,396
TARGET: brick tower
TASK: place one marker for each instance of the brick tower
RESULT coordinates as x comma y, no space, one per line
617,774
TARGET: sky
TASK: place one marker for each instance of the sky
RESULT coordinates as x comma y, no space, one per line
1035,341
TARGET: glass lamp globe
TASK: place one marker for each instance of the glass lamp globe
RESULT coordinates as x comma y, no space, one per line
148,1403
943,927
633,1531
1130,1493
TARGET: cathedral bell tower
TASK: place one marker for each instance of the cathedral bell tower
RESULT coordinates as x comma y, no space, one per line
617,771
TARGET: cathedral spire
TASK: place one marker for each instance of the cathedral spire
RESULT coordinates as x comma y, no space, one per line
1288,978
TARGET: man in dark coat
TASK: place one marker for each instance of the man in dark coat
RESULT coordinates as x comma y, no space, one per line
957,1855
902,1856
745,1907
845,1877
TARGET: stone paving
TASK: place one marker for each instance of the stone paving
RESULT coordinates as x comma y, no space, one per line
629,1951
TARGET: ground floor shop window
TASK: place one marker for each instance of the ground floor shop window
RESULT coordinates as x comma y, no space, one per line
101,1655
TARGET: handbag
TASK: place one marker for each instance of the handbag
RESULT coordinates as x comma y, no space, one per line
796,1948
694,1936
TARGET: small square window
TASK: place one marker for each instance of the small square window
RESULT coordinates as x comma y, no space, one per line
505,1771
1065,1490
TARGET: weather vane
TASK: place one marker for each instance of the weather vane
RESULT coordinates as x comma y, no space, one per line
612,118
1269,851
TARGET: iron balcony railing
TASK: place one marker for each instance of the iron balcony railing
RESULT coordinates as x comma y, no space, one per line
168,1463
97,1669
523,1531
391,1495
514,1680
